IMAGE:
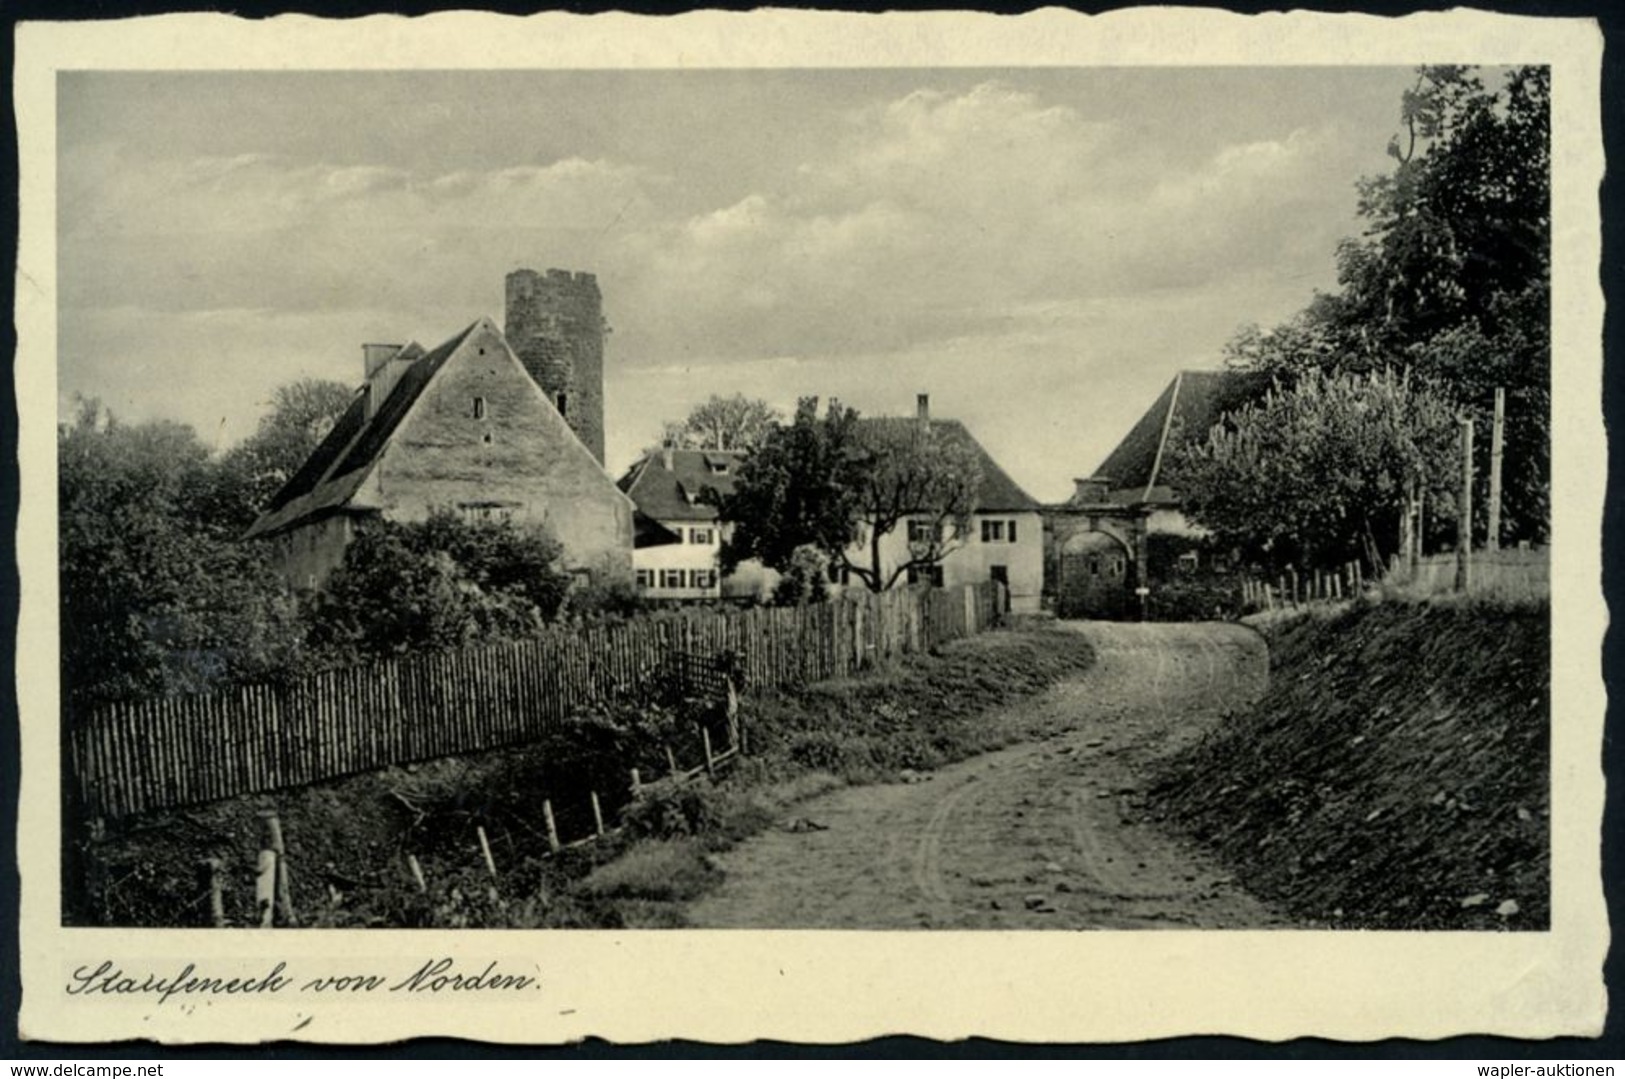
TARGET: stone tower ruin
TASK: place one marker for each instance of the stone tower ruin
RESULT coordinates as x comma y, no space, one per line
555,324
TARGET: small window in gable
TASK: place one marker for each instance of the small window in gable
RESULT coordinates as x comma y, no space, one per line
479,408
562,403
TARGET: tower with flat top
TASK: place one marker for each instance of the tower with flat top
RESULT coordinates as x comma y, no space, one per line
555,324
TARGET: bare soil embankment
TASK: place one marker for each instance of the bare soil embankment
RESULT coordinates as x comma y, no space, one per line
1396,775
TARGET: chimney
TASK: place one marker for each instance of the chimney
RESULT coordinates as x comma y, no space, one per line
374,356
1090,491
922,408
384,364
666,455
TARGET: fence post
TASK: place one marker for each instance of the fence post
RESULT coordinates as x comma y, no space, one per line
552,825
1492,542
217,904
273,832
485,849
597,815
710,762
1464,511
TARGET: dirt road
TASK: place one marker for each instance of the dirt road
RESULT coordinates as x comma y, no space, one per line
1048,834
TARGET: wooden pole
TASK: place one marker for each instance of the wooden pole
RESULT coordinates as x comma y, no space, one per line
265,889
217,902
1407,525
284,892
637,783
1464,511
597,814
671,763
485,849
710,762
552,826
1419,533
1492,541
417,872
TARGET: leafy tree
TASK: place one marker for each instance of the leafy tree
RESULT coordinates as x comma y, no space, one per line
805,580
907,475
1318,473
792,490
1451,278
841,485
435,584
153,599
723,423
251,472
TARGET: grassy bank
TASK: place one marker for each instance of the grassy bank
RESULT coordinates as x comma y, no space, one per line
1396,775
348,841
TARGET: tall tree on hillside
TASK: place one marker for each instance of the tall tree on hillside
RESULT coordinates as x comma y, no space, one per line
723,423
1451,278
842,485
1323,471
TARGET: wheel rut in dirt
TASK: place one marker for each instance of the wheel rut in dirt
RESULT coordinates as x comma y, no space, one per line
1048,834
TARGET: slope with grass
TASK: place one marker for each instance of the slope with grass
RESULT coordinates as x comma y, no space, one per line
1396,773
348,840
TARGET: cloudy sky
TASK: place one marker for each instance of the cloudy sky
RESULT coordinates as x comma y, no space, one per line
1039,249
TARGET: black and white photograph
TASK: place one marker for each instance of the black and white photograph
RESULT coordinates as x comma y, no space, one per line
1068,501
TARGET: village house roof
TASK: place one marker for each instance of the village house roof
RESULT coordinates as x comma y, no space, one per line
330,476
673,494
998,492
1193,402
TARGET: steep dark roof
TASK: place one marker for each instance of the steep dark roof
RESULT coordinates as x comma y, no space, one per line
1192,403
999,493
401,398
330,476
673,495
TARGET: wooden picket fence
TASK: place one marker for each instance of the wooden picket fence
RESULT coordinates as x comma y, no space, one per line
131,757
1510,572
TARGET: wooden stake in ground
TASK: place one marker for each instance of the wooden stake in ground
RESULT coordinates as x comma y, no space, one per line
710,762
671,763
1421,531
417,872
552,826
1492,542
265,889
217,903
597,814
485,849
284,889
1464,511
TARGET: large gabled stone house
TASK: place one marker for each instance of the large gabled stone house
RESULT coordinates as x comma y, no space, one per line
463,426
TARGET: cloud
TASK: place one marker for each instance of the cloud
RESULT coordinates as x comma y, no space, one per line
959,242
941,215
